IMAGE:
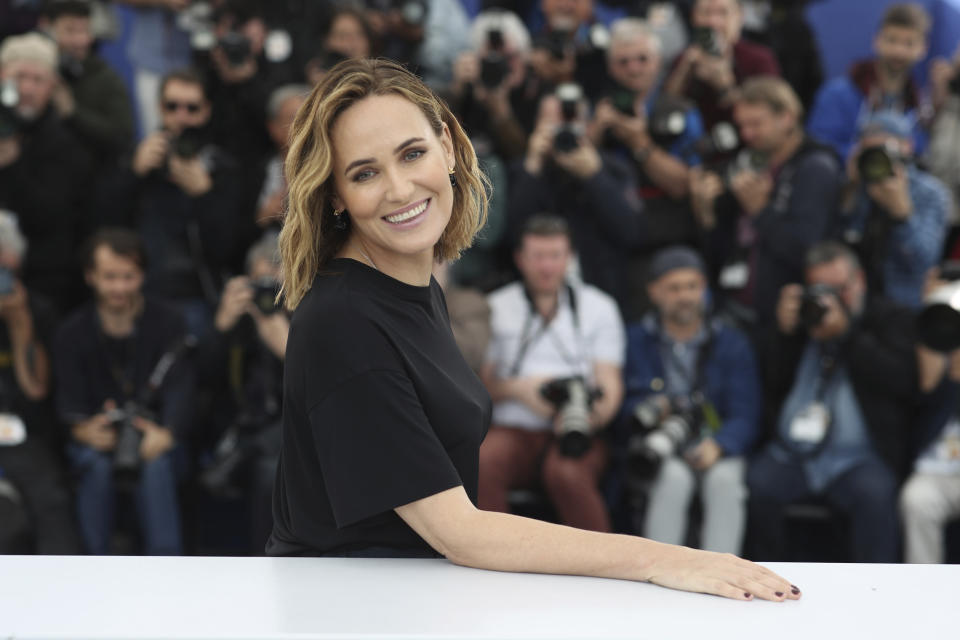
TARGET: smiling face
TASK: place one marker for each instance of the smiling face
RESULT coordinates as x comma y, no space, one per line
390,173
634,64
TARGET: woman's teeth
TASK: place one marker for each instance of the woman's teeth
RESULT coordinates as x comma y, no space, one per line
413,213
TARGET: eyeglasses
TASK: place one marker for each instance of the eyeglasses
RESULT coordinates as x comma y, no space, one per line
173,105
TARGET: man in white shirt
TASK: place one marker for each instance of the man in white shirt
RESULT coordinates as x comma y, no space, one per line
551,337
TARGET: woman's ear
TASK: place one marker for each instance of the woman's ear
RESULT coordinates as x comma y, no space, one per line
337,203
446,140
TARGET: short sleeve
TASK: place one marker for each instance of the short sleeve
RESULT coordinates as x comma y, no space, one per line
376,447
606,334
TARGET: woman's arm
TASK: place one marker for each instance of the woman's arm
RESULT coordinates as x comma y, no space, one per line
450,523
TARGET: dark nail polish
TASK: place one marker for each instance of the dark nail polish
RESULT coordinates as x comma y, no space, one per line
794,590
747,595
779,594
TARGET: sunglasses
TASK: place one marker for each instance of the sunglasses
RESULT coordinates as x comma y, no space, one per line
173,105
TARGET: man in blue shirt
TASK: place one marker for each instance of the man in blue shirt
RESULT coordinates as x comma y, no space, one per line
680,356
897,217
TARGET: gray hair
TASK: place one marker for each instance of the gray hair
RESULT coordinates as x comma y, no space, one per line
515,33
828,251
266,248
627,30
11,239
281,94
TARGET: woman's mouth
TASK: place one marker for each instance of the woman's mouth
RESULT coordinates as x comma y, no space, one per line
409,214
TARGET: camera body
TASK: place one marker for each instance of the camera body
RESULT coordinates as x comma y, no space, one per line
188,143
236,48
663,427
567,136
707,39
812,309
557,42
126,453
265,295
493,66
573,400
878,162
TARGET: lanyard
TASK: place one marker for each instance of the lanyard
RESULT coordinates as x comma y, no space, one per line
527,339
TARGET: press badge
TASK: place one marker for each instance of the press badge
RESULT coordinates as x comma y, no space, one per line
810,425
735,276
12,430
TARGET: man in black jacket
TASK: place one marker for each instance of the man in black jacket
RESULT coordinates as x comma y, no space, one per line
841,381
44,170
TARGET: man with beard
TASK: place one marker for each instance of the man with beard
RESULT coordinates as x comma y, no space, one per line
881,84
684,365
106,355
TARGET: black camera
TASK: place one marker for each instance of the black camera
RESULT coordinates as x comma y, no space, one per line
938,324
493,66
623,101
188,143
567,137
707,39
557,42
812,308
265,295
10,120
236,48
663,427
126,453
878,162
572,399
667,120
717,143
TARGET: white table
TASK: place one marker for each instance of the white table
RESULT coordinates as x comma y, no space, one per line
259,598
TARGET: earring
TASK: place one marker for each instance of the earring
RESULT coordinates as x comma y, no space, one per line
341,223
453,178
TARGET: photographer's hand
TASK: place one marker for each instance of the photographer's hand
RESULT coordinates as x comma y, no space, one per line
527,392
156,440
539,145
234,302
273,329
752,190
9,151
466,71
151,153
788,308
63,100
583,162
190,175
704,455
835,321
97,432
704,187
893,194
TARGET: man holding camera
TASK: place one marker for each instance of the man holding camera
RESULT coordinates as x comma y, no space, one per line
842,384
690,371
183,194
896,215
44,170
125,390
90,96
553,369
718,60
242,369
565,174
770,204
26,425
882,84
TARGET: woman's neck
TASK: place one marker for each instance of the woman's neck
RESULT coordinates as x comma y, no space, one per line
414,270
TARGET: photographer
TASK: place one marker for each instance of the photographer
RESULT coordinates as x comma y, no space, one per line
571,46
90,96
428,35
26,436
841,381
44,170
548,332
242,369
563,173
883,83
658,135
718,60
895,216
182,194
774,201
105,356
704,373
942,157
347,34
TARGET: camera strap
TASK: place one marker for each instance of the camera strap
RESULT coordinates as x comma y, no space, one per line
696,379
121,365
527,338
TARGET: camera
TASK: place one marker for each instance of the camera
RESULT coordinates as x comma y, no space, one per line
721,140
412,12
878,162
557,42
493,66
238,446
572,399
668,120
567,137
126,454
663,428
812,309
236,48
938,324
265,295
708,40
188,143
10,120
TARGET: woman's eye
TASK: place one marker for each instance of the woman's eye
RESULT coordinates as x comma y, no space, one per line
360,176
413,154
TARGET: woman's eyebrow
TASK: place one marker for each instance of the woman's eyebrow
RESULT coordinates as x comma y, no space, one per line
357,163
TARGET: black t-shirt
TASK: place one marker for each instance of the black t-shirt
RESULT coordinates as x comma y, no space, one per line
379,410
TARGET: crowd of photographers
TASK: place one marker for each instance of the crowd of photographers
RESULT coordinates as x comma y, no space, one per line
708,271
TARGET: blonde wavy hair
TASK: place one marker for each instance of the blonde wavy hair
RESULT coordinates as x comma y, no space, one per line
309,238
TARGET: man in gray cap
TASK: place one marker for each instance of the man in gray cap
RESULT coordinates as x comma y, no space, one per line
896,217
692,407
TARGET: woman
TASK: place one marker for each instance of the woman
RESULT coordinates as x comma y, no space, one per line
382,417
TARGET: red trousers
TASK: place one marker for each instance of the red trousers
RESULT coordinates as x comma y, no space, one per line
512,458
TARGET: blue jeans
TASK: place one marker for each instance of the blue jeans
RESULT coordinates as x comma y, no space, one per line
155,499
865,494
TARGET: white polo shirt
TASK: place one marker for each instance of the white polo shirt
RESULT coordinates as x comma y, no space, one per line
562,349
